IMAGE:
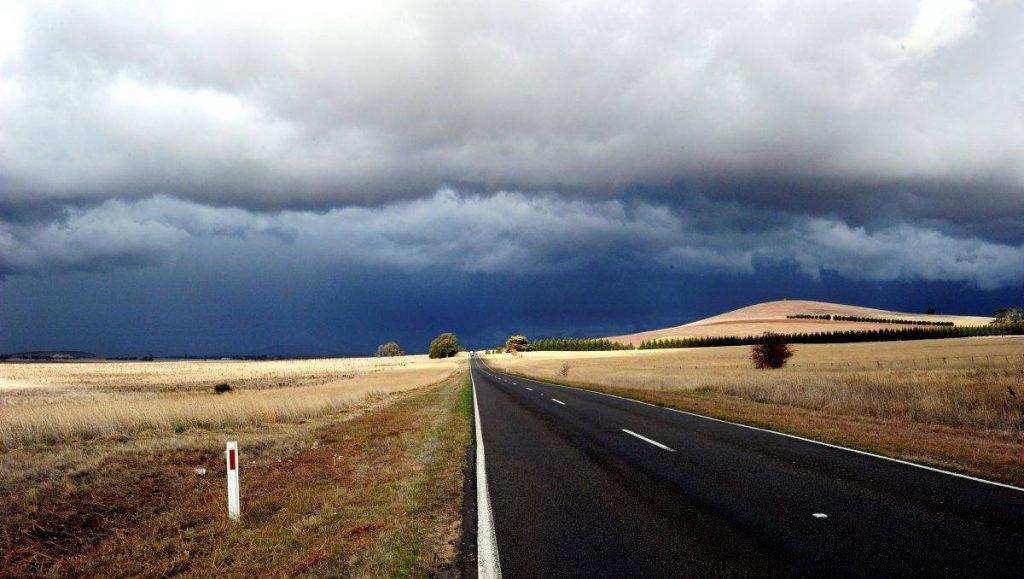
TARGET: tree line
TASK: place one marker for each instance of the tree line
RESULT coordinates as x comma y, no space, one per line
886,335
577,345
837,317
520,343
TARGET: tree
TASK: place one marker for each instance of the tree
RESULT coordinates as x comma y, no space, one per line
930,311
770,351
517,343
444,346
1008,315
389,349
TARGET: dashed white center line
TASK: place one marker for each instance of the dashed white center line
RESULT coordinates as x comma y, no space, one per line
558,401
645,439
530,389
820,516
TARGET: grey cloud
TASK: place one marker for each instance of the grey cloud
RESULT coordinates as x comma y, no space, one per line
905,253
506,232
321,105
102,238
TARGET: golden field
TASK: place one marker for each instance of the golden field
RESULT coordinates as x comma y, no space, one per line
957,403
50,402
348,467
958,382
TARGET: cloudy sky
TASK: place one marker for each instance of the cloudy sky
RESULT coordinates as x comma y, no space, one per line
317,177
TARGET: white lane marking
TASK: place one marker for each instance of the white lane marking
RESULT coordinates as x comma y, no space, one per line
530,389
558,401
488,565
793,436
820,516
645,439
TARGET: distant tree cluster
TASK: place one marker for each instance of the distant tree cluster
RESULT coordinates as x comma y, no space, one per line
577,345
444,346
1011,315
389,349
517,343
896,334
770,351
867,319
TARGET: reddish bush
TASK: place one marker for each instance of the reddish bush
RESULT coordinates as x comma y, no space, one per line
770,351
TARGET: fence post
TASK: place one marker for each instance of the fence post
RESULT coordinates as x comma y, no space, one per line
231,457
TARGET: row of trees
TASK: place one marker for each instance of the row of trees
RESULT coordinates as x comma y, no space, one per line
887,335
1008,321
520,343
837,317
770,350
577,345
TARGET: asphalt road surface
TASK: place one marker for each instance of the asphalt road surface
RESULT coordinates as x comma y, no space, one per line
585,484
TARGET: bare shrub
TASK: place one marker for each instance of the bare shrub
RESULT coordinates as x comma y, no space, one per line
564,370
771,351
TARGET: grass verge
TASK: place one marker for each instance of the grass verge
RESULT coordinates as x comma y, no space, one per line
374,492
991,454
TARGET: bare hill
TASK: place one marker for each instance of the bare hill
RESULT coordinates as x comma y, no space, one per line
772,316
50,356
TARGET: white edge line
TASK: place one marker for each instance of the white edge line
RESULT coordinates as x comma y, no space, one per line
488,565
558,401
645,439
793,436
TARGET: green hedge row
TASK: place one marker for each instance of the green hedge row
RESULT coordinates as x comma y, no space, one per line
576,345
845,337
867,319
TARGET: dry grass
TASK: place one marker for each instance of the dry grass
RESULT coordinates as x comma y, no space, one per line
52,402
372,490
956,382
939,394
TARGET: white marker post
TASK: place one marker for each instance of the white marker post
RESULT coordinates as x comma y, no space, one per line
234,505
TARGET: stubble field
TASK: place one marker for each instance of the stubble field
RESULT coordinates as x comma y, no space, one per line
349,466
50,402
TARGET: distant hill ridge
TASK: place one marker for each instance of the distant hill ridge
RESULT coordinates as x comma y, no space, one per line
772,316
50,355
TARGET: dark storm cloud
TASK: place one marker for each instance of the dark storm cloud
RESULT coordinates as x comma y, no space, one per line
324,104
507,232
877,140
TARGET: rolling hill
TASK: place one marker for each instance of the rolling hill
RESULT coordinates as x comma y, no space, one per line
49,356
772,316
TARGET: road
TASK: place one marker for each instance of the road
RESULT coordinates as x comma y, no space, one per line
585,484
